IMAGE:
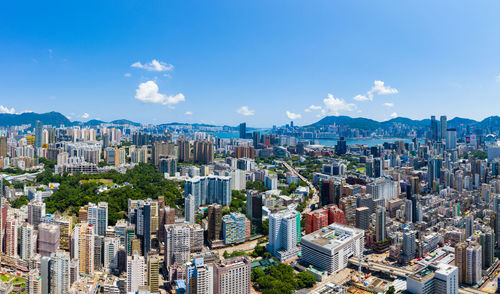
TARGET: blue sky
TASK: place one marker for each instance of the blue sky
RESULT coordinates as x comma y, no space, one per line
262,62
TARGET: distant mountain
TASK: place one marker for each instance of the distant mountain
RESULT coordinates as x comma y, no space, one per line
492,122
50,118
125,122
359,122
93,122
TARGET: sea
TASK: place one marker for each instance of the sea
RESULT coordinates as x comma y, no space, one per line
328,142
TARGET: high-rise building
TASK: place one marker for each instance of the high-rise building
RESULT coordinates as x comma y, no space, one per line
3,146
469,225
284,234
27,240
316,220
451,139
136,273
34,282
86,239
254,211
461,261
409,246
487,241
140,213
444,128
215,222
167,165
203,152
408,210
38,134
65,225
59,272
36,209
153,273
110,251
330,248
11,229
363,218
177,244
244,152
208,190
48,238
473,257
380,224
256,139
98,217
234,228
434,129
232,276
184,150
243,130
189,209
446,279
199,277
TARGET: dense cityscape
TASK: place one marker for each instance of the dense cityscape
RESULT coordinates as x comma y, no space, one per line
129,208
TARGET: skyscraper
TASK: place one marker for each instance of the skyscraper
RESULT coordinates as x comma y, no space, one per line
474,266
243,130
380,224
254,211
189,209
215,222
38,134
444,127
59,272
199,277
461,261
409,246
153,273
98,217
36,209
86,240
283,235
136,270
27,241
177,244
451,139
234,228
363,218
434,129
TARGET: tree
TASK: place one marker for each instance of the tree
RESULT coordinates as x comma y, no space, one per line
391,290
306,279
265,227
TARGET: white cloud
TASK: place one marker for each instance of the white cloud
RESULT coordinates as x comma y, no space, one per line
394,115
379,88
4,109
360,97
333,106
389,104
244,110
292,115
154,65
498,78
127,75
148,92
189,113
312,107
85,115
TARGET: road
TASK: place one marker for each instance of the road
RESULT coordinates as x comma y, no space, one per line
315,199
373,266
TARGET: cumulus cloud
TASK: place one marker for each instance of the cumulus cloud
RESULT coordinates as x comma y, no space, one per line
333,106
188,113
360,97
154,65
394,115
292,115
244,110
85,115
378,88
389,104
4,109
148,92
312,107
127,75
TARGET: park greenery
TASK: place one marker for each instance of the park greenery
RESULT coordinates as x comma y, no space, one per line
143,182
281,279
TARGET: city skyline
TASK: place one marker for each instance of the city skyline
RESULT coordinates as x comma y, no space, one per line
213,63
